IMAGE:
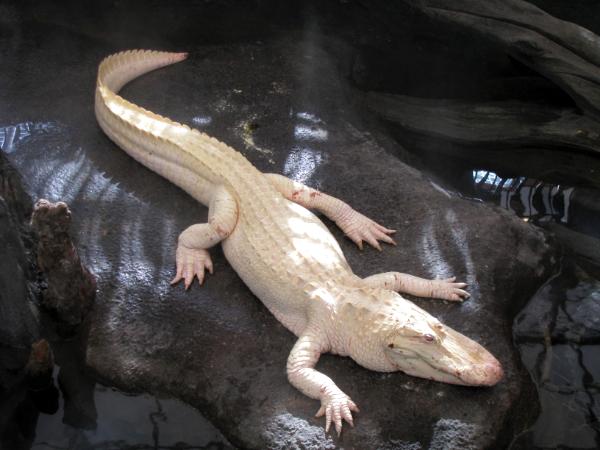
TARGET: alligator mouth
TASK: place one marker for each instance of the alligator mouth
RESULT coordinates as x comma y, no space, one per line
482,370
478,374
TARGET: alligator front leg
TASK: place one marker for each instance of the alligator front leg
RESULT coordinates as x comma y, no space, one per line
446,289
192,256
335,405
356,226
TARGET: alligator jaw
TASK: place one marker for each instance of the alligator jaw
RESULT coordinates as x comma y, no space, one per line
487,372
428,349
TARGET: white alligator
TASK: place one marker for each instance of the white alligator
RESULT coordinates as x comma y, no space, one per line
287,257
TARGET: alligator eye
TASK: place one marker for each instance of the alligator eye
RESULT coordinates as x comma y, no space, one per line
428,337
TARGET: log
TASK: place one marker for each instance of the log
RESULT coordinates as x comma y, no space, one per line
494,125
561,51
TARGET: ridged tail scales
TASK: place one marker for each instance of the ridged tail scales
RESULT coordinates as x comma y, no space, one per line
184,156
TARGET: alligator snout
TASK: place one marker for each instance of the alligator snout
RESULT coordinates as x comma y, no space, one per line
493,373
486,373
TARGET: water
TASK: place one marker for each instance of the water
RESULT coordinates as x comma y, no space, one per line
76,411
128,422
558,333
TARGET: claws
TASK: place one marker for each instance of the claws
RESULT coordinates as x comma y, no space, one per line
190,263
447,289
360,228
336,408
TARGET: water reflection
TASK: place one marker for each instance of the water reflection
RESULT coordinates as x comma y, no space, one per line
527,197
310,133
558,335
202,121
303,160
12,134
436,262
126,422
301,163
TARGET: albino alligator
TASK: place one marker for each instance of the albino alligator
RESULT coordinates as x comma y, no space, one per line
287,257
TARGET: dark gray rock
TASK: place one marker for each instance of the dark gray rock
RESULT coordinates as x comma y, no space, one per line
282,102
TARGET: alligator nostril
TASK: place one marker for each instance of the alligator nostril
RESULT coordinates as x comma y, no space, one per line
494,372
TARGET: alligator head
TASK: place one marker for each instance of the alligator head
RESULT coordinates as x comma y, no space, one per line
422,346
406,338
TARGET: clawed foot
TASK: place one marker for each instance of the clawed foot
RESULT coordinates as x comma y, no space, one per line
190,263
449,290
360,228
335,407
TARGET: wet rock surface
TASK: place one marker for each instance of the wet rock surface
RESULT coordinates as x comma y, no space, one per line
283,103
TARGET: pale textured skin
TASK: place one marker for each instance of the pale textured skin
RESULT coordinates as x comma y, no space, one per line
287,257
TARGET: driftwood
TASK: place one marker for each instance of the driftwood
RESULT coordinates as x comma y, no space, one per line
71,287
561,51
482,133
501,124
513,138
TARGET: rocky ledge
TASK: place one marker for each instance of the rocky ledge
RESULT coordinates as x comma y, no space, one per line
217,347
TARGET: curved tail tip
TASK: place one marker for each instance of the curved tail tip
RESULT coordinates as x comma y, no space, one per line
182,55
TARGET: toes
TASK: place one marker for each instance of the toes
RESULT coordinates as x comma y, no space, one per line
372,241
336,410
381,236
192,263
456,295
320,412
337,416
384,229
327,418
447,289
354,237
200,272
462,293
347,415
209,265
360,228
188,275
178,275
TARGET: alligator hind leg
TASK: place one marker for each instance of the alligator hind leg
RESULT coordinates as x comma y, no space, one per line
192,255
356,226
446,289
